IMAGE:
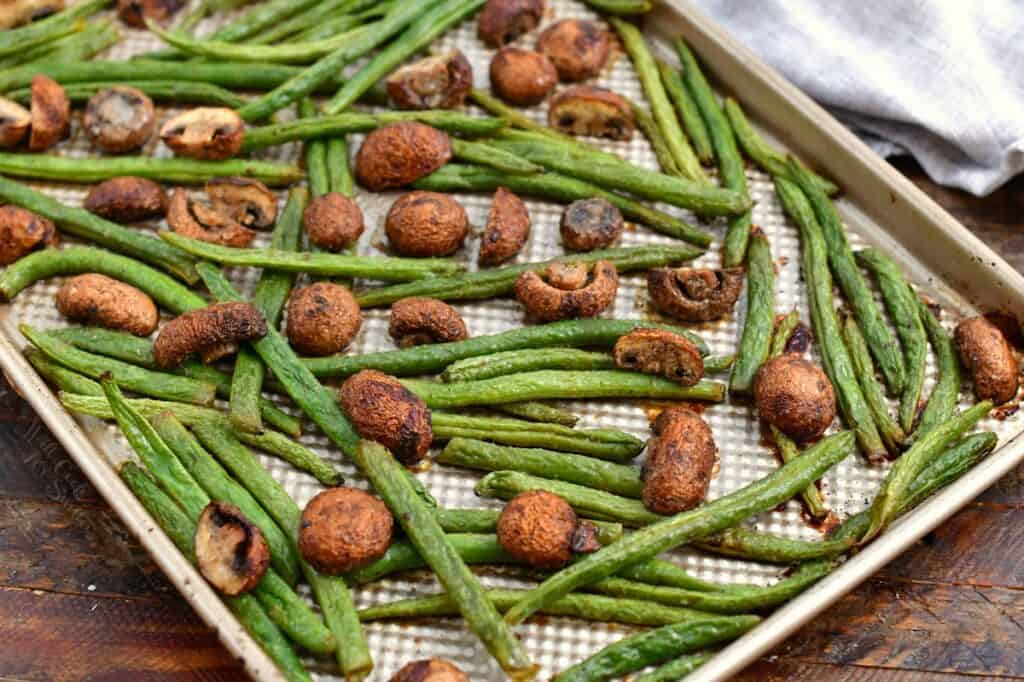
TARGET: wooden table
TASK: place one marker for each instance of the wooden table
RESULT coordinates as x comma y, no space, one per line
80,599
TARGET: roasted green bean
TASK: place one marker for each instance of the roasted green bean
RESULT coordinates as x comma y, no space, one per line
688,112
528,360
757,327
892,434
538,411
174,91
942,401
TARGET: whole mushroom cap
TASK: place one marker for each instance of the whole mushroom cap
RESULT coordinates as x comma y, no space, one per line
343,529
522,77
323,318
537,527
989,358
795,396
382,409
578,48
399,154
430,670
426,224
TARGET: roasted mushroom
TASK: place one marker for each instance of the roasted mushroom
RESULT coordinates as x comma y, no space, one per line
97,299
333,221
135,12
548,303
438,82
343,529
399,154
210,133
522,77
416,321
119,119
660,352
426,224
503,21
323,318
989,358
588,110
51,113
578,48
384,410
680,462
246,201
542,530
589,224
17,12
22,231
127,200
508,228
14,123
795,396
197,221
695,295
567,276
430,670
230,549
215,327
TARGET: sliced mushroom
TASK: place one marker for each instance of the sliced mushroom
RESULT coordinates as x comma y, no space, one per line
695,295
680,461
578,48
795,396
989,358
14,123
660,352
592,111
426,224
17,12
567,276
127,200
196,221
384,410
51,113
522,77
589,224
399,154
504,21
333,221
508,228
135,12
230,549
97,299
547,303
22,231
416,321
119,119
343,529
212,327
437,82
430,670
323,318
246,201
210,133
539,528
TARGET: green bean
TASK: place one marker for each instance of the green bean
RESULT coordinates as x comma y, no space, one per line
537,411
158,90
625,7
688,112
28,43
942,401
558,187
188,414
416,518
402,556
892,434
294,453
649,127
493,157
320,11
751,545
259,625
658,572
661,108
83,44
783,330
484,521
264,16
338,169
528,360
63,378
343,22
15,40
836,359
757,327
675,670
515,118
316,155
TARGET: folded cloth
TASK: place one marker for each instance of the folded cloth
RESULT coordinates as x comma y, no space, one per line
942,80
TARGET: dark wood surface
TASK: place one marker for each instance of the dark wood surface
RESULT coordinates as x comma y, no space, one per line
80,599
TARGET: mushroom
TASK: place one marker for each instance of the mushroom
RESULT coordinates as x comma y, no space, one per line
210,133
522,77
333,221
196,221
215,327
660,352
323,318
127,200
399,154
97,299
989,358
680,461
230,549
438,82
14,123
17,12
795,396
135,12
508,228
51,113
22,231
119,119
246,201
426,224
567,276
695,295
343,529
542,530
430,670
548,303
504,21
384,410
588,110
578,48
589,224
416,321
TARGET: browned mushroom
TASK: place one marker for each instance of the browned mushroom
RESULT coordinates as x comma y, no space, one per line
416,321
503,21
333,221
343,529
588,110
578,48
135,12
14,123
17,12
323,318
127,200
217,326
680,462
542,530
989,358
399,154
795,396
567,276
51,113
508,228
210,133
430,670
97,299
384,410
197,221
230,549
548,303
695,295
119,119
22,231
522,77
438,82
660,352
246,201
589,224
426,224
